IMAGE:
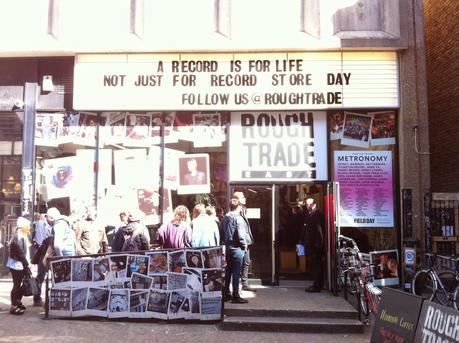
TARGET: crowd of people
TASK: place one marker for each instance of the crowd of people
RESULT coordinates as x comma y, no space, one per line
54,234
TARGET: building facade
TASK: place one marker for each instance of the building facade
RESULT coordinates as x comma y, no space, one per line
152,105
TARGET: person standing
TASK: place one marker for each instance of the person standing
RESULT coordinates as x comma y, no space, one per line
177,233
247,261
236,244
18,263
64,236
117,233
42,237
204,228
313,240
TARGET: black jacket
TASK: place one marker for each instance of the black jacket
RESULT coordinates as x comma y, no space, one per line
18,249
312,236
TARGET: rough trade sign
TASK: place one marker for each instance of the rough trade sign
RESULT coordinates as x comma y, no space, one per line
278,146
438,324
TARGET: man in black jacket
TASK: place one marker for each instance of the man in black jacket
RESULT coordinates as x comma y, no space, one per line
313,241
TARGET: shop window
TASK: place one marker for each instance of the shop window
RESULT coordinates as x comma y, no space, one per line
130,148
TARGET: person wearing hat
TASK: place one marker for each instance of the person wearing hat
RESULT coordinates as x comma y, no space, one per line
137,231
18,263
64,235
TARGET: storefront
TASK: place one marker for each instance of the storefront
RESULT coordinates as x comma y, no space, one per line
276,126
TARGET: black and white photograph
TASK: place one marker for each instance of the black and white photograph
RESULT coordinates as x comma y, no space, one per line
138,303
177,300
193,258
383,128
385,267
159,281
47,127
193,174
138,128
207,130
118,265
60,302
62,273
176,281
195,304
97,301
69,127
212,280
194,281
118,303
101,268
140,281
211,306
176,260
158,262
165,119
115,129
356,130
137,264
158,303
81,271
79,300
212,257
88,123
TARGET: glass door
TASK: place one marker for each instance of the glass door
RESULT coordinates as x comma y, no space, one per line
259,203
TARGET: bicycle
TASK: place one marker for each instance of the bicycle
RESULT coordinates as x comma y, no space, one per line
442,287
358,273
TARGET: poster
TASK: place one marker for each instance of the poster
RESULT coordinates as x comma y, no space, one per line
79,300
61,177
165,119
131,168
88,122
207,130
81,271
61,271
158,303
69,128
158,262
366,188
383,128
356,129
138,300
138,128
278,146
335,122
97,301
148,204
385,268
194,177
118,303
60,302
47,128
115,129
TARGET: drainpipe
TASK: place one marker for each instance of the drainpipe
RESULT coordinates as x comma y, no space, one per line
28,151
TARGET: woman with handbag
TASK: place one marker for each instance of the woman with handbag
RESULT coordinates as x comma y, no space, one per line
17,262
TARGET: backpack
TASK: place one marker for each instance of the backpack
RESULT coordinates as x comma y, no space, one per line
130,243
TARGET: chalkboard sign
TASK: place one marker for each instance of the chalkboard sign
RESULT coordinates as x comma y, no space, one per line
397,317
437,323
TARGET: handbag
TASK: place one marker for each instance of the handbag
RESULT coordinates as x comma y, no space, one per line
29,285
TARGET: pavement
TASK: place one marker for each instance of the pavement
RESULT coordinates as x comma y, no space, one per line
33,327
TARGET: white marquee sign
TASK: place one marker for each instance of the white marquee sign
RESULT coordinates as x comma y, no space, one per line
284,81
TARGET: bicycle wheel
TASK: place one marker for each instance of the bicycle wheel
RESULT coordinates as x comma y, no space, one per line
456,298
424,285
363,302
374,297
448,279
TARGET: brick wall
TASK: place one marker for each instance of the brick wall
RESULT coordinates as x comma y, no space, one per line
442,49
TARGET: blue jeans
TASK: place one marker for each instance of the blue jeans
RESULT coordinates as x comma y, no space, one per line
41,273
234,258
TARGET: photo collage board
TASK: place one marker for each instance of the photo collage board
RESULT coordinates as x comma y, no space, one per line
162,284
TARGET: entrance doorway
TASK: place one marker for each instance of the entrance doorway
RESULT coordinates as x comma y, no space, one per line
276,219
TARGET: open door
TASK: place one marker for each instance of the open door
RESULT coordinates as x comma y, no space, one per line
332,232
